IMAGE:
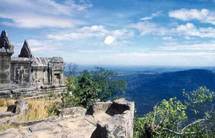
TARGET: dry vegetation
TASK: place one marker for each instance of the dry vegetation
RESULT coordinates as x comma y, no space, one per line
38,109
4,102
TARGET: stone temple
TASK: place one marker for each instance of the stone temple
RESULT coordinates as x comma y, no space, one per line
26,74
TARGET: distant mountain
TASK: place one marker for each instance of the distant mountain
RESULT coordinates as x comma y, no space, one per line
148,89
71,68
149,85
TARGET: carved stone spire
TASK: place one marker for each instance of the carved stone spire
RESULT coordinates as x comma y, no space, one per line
4,42
3,33
25,51
6,51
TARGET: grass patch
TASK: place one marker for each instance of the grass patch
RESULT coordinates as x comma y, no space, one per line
38,109
5,102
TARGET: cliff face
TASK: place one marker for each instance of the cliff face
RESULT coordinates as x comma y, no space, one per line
103,120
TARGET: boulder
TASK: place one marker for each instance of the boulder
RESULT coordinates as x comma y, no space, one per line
115,121
73,112
98,107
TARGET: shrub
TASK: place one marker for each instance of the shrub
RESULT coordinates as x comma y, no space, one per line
89,87
173,118
53,109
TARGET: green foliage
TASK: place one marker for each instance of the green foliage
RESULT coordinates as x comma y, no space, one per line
139,124
167,112
171,118
88,90
200,101
89,87
165,115
54,109
107,84
199,96
71,84
68,98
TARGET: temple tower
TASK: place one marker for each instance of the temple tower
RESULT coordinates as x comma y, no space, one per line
21,67
6,51
25,51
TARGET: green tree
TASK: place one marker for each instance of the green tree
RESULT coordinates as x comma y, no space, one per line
68,99
172,118
89,87
165,116
200,101
108,83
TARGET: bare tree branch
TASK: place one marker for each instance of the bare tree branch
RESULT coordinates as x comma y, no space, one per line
193,123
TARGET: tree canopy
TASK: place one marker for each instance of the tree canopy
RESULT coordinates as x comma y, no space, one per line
92,86
192,117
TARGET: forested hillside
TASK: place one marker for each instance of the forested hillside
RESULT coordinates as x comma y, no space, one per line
148,89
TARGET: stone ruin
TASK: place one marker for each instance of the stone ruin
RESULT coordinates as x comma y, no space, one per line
27,75
102,120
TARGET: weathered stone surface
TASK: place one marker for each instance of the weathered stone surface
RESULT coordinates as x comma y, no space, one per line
6,51
114,119
31,91
98,107
73,112
61,128
21,71
74,124
11,133
6,114
19,107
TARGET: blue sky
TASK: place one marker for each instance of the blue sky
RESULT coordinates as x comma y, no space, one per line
114,32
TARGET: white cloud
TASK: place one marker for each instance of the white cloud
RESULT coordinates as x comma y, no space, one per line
109,40
42,46
203,15
108,36
39,13
147,27
190,30
35,21
187,30
151,17
80,33
38,47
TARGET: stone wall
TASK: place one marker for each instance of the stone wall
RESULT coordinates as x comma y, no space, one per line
31,91
57,66
40,76
21,71
5,60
